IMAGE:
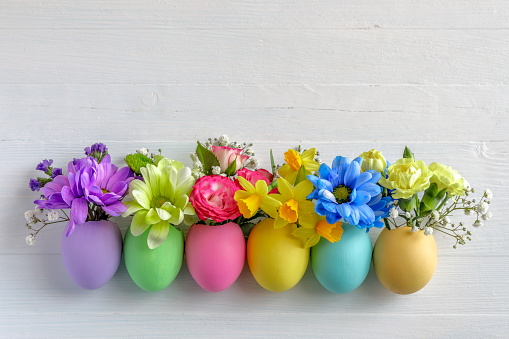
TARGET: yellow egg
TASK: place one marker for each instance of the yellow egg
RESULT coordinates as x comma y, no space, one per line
404,262
277,259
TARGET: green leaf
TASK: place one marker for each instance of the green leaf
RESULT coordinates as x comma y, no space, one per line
207,158
232,168
408,153
272,186
432,197
301,175
137,161
272,164
407,204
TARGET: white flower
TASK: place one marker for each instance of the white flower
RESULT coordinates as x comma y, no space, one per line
415,229
318,160
487,216
407,214
252,163
483,208
194,157
52,215
30,216
223,140
197,175
197,165
394,213
447,220
477,223
489,194
249,152
428,231
216,170
466,184
468,212
142,151
30,240
464,237
435,215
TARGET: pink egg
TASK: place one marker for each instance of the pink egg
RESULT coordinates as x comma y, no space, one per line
215,255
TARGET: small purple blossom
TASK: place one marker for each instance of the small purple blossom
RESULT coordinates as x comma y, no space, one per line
43,166
34,185
98,147
56,172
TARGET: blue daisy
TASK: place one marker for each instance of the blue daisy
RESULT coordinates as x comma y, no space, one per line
343,192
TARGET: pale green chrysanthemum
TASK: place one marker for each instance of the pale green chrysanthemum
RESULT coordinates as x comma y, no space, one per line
161,200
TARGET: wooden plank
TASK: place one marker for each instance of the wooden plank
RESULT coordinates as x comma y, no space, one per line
264,56
331,113
44,279
64,14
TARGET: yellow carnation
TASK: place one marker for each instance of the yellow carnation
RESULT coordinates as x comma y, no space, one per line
448,178
407,177
373,160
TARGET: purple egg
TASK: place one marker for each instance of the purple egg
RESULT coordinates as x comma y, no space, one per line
92,253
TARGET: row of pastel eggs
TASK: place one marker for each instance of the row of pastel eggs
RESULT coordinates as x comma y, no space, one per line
404,261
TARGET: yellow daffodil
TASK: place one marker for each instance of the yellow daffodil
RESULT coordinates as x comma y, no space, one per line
293,201
294,161
314,226
255,197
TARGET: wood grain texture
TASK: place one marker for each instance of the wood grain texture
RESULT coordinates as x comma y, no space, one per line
344,76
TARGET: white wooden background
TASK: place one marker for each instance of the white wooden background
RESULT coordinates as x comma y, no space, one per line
342,75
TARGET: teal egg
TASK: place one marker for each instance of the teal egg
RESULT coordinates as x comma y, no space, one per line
342,266
153,269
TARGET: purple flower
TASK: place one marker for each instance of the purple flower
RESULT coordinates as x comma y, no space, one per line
98,147
34,185
56,172
43,166
87,182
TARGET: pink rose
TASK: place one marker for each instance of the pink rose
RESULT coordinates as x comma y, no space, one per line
212,198
254,176
226,155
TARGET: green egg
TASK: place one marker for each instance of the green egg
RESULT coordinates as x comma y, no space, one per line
153,269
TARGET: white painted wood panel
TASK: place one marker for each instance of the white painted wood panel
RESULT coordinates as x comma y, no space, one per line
247,56
344,76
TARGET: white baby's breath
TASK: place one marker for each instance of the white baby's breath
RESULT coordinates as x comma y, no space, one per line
489,194
415,229
216,170
30,240
143,151
435,215
428,231
52,215
483,208
30,216
487,216
393,213
477,223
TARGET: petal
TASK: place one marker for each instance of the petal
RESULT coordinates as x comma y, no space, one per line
313,195
138,225
158,234
302,190
270,205
324,171
371,189
79,210
344,209
139,185
141,198
362,178
280,222
352,173
327,195
246,185
313,240
304,232
366,214
332,218
308,154
132,207
115,209
344,164
152,217
121,175
164,215
285,188
67,195
261,188
362,198
308,220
